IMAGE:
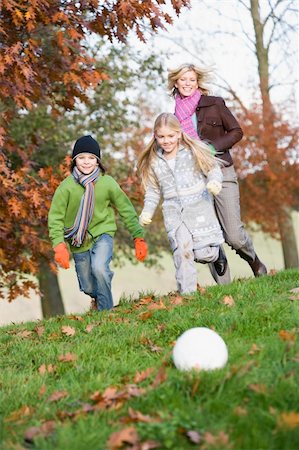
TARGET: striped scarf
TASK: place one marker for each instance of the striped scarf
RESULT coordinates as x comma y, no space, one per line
184,109
85,212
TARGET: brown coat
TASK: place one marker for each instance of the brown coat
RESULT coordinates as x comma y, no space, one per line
217,126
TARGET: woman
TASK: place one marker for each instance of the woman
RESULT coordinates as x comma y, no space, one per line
207,118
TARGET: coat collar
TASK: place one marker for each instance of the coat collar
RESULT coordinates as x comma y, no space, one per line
206,100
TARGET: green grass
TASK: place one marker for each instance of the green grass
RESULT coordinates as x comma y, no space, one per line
252,403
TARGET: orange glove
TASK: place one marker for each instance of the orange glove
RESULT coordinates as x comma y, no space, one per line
62,256
140,249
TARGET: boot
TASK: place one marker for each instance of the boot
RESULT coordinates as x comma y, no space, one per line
258,268
221,263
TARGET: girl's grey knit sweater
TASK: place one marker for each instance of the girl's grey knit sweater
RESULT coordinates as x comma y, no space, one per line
185,198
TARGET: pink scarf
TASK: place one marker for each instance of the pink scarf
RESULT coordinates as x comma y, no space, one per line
184,109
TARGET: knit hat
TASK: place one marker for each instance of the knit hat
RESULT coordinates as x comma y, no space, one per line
86,144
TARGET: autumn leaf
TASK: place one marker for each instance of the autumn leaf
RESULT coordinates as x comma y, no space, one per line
258,388
218,441
228,300
176,300
68,357
24,333
159,305
42,391
68,331
143,375
201,289
75,317
289,420
254,349
89,327
43,369
294,291
128,435
57,395
19,414
286,335
240,411
44,430
146,300
145,316
137,416
193,436
39,330
161,376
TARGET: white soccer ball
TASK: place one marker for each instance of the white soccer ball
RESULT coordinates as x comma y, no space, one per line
200,348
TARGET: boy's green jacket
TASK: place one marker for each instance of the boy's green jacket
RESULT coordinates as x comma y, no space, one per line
107,193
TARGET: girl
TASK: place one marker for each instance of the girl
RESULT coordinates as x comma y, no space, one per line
205,117
184,172
81,213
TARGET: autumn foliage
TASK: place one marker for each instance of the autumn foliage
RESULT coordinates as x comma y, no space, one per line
267,164
44,57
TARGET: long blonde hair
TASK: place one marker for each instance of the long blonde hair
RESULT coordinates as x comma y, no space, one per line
204,76
201,151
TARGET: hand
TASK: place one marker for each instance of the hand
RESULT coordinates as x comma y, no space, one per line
214,187
140,249
62,256
145,219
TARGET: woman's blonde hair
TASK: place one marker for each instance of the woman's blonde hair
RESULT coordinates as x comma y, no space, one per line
204,76
200,150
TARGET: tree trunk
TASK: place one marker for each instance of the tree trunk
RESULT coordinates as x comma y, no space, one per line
51,301
288,241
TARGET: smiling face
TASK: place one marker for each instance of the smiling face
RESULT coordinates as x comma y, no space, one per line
187,83
86,162
168,140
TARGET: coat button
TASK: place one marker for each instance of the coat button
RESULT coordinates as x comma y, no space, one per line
197,109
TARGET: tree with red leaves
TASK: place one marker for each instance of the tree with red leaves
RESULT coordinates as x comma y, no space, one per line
44,57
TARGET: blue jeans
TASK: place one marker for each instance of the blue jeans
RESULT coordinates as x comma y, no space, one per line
93,271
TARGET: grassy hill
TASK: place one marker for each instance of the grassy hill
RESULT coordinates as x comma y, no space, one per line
107,381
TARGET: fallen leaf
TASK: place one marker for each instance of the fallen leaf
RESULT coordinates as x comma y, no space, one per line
145,316
294,298
68,331
137,416
24,333
148,445
42,391
43,430
57,395
219,440
68,357
286,335
176,300
89,328
50,368
154,305
240,411
201,289
146,300
288,420
254,349
39,330
258,388
272,272
74,317
143,375
19,414
228,300
193,436
294,290
160,377
128,435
